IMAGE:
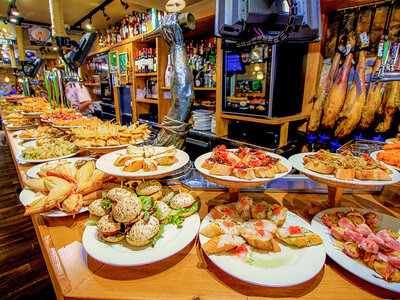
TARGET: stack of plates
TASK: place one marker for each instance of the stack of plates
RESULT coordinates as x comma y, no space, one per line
213,124
202,119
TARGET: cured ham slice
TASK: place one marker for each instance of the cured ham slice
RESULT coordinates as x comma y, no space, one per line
346,223
351,235
364,230
390,258
390,242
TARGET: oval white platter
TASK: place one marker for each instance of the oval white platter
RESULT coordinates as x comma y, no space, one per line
122,253
350,264
200,160
106,165
27,196
302,263
374,154
32,172
297,161
33,143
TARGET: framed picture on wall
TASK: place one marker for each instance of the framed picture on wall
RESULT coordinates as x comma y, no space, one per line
122,62
113,60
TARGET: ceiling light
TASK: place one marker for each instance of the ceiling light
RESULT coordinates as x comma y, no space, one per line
13,19
14,11
124,4
107,17
6,79
20,80
55,48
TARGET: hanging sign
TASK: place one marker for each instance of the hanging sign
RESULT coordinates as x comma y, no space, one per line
39,35
30,55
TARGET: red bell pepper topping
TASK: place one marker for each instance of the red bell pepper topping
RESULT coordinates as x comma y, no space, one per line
227,211
276,211
259,207
294,229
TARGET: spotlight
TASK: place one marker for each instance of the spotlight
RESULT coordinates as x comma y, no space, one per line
124,4
14,11
89,25
13,19
107,17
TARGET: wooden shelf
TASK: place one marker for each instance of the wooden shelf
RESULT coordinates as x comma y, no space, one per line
146,100
275,121
165,88
91,84
60,66
146,74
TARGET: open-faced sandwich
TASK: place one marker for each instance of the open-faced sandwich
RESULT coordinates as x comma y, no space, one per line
244,163
346,166
147,158
249,226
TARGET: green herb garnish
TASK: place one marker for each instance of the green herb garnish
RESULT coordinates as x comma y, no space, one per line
155,238
92,221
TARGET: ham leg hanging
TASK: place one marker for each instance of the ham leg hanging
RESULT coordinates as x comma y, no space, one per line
374,99
316,113
335,99
391,98
354,102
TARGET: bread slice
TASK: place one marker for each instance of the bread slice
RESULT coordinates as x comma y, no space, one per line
265,172
166,160
208,164
319,167
372,175
245,174
345,174
150,165
221,170
280,168
301,238
133,164
222,243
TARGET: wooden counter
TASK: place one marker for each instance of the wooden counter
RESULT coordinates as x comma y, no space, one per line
190,274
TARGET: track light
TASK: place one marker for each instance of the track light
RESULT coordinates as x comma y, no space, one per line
14,11
124,4
89,25
107,17
13,19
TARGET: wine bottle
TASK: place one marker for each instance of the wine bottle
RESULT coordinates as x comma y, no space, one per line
168,72
155,61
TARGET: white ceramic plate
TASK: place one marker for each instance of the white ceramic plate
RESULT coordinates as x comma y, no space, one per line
32,172
200,160
27,196
37,113
299,264
392,141
64,127
352,265
33,143
107,147
106,165
172,241
374,154
9,127
297,162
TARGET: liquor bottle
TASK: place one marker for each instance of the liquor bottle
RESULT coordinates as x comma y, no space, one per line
145,66
168,72
139,61
199,79
155,61
150,62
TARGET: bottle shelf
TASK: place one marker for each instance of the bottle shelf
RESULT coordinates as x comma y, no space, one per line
147,100
165,88
146,74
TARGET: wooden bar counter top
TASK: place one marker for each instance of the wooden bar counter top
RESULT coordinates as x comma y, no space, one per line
189,274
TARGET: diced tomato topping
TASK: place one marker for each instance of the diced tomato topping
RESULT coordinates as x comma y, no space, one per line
261,232
256,163
109,233
277,210
220,148
260,156
228,224
259,207
239,249
227,211
260,224
294,229
224,155
240,165
244,203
